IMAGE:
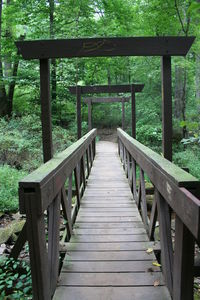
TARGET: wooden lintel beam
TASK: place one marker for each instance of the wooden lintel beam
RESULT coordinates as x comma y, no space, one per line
115,46
106,99
97,89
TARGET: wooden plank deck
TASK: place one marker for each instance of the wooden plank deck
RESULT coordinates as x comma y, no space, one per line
107,256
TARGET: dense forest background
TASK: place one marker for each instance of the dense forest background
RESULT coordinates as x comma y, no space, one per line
20,126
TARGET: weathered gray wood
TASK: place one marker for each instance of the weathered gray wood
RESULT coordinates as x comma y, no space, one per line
77,183
153,219
183,262
106,99
143,200
117,246
91,47
166,107
123,113
162,173
89,115
46,110
78,111
109,238
118,231
53,242
50,177
19,244
165,239
66,213
133,112
110,279
112,293
108,266
37,249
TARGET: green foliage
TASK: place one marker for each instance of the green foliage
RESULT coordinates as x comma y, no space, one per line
150,136
15,279
190,158
9,178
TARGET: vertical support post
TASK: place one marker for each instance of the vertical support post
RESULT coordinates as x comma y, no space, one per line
89,115
78,110
123,114
166,107
133,112
183,262
46,109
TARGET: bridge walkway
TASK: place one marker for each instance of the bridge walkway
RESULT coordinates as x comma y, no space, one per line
107,255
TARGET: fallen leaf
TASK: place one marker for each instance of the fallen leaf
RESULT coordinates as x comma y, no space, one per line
149,250
156,283
150,270
156,264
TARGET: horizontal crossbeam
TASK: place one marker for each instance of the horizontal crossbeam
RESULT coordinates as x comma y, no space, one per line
106,99
97,89
91,47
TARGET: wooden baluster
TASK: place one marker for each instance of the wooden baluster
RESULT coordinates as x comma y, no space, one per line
53,241
143,199
88,163
83,172
77,187
19,244
165,239
66,213
125,161
183,262
153,219
37,248
94,146
134,186
69,194
92,154
128,167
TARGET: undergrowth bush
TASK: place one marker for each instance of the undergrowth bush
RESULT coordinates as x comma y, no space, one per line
9,178
21,141
15,279
190,158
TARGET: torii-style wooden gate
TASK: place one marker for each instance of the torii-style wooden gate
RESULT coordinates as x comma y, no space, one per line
165,47
97,89
90,101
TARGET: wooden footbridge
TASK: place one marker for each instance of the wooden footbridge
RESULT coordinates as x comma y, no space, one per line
97,194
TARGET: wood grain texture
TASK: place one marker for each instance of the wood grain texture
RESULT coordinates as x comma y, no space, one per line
108,249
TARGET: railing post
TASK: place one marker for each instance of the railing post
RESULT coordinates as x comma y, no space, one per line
183,262
78,111
53,241
166,107
37,249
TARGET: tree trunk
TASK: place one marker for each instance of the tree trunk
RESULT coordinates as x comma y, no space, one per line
3,97
178,105
53,60
198,81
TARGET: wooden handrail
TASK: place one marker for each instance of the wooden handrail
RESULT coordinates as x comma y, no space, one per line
44,191
48,179
174,191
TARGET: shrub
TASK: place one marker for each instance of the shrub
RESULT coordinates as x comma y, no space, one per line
9,178
15,279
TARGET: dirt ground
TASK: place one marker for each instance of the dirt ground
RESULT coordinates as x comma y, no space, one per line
107,134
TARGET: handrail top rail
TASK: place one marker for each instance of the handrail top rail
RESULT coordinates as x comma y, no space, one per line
180,177
48,179
46,170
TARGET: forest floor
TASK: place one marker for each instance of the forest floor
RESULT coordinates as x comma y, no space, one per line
108,134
